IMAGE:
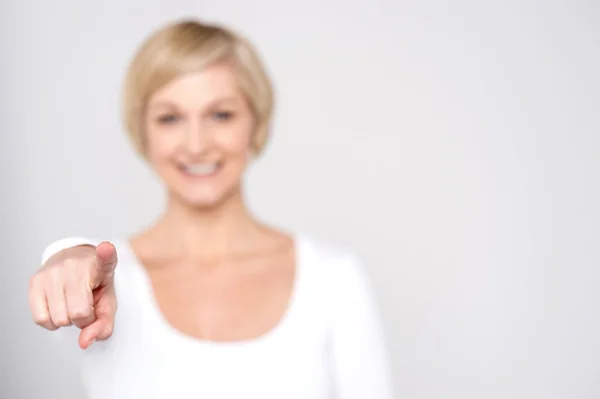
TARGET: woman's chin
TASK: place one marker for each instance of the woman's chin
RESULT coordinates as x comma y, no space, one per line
202,201
203,196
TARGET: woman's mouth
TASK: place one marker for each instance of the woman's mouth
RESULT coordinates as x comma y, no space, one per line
201,170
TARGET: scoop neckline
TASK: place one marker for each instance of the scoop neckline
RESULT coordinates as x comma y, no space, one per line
145,292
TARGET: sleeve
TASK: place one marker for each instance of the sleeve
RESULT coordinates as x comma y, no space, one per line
360,362
65,243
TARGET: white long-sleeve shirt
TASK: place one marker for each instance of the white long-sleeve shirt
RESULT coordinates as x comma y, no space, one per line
329,343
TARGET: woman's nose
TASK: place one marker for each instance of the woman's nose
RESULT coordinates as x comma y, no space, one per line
197,139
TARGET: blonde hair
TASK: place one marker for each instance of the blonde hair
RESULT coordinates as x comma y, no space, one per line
190,46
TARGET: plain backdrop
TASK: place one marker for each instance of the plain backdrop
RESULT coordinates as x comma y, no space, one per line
453,144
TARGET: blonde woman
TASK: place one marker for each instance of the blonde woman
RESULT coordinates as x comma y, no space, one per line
208,302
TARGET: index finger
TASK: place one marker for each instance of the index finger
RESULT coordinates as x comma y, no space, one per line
106,255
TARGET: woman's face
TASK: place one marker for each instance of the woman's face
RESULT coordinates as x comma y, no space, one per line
199,128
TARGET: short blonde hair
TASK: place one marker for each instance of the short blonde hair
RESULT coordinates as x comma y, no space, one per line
189,46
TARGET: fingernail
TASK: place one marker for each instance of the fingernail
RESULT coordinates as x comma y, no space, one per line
92,342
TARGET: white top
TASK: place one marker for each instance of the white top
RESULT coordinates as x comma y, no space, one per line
329,344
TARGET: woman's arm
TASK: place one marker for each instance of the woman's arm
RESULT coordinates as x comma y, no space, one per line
359,356
75,287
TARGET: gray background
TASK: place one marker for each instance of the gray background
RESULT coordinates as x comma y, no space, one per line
453,144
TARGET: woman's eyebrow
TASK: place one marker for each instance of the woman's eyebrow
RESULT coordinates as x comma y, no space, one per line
162,104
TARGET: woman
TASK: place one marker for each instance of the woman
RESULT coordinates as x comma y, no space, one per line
211,302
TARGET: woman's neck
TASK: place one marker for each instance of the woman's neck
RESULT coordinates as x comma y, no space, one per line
211,233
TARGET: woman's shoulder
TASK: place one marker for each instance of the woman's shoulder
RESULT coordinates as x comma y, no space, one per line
337,276
330,260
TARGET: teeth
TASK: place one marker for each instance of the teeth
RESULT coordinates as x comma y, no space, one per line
201,169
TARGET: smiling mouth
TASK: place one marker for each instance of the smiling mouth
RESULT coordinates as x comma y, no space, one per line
201,169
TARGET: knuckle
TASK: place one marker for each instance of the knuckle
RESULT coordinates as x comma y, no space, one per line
45,322
55,273
36,282
59,317
108,330
79,313
62,321
41,319
70,264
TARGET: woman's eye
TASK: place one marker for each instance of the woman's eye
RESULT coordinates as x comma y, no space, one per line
223,116
168,119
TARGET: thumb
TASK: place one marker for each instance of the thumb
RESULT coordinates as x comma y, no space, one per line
99,330
104,311
106,256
